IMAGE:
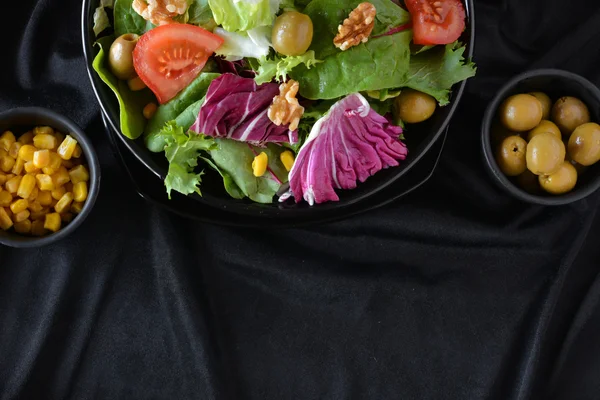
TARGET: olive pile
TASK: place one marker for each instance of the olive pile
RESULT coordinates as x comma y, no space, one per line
545,145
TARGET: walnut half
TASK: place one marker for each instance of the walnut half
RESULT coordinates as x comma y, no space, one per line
285,108
160,12
357,28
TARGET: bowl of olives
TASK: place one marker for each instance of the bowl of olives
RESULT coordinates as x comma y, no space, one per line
541,137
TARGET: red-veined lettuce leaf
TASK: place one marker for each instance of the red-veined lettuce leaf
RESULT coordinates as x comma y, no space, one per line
236,108
349,144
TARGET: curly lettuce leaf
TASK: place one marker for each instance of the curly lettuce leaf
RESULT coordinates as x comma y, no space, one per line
182,151
131,104
101,21
254,43
175,107
235,159
126,20
380,63
236,15
435,71
279,68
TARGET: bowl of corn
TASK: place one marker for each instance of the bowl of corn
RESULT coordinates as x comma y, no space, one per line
49,177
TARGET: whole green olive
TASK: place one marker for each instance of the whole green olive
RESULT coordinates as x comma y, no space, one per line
521,112
561,181
545,101
545,154
584,144
529,182
292,33
120,56
568,113
511,156
413,107
543,127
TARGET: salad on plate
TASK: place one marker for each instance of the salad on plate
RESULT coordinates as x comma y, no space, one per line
287,100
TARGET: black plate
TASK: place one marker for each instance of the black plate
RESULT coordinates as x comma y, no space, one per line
419,139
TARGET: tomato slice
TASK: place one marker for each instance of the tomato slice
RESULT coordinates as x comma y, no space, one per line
169,57
436,21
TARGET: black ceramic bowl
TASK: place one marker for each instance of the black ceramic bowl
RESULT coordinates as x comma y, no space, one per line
555,83
419,139
20,120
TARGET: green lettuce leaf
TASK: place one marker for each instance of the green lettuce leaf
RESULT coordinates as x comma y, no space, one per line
101,21
127,20
280,67
380,63
182,151
235,15
230,186
199,13
436,70
176,106
131,104
235,158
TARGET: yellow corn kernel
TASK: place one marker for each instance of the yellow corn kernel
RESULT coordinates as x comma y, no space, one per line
9,176
41,158
23,227
12,185
35,206
59,139
18,167
43,130
149,110
58,193
77,152
6,163
287,159
64,203
67,217
5,198
80,191
76,207
53,165
259,164
26,152
44,141
34,193
30,168
39,215
61,177
26,138
19,205
21,216
67,147
44,182
3,179
136,84
37,228
5,221
79,174
14,149
44,197
52,222
6,140
26,186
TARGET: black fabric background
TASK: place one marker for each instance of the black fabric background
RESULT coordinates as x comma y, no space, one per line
455,292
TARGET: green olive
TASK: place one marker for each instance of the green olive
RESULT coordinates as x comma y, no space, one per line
529,182
511,156
545,154
543,127
120,56
292,33
561,181
499,133
545,101
584,144
568,113
521,112
413,107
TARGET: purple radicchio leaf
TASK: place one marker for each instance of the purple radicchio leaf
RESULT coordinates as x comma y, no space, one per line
236,108
349,144
241,67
